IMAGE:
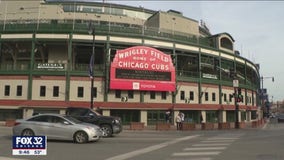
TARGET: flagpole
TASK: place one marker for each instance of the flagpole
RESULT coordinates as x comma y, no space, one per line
92,61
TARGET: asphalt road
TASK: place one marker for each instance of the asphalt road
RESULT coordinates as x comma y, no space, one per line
243,144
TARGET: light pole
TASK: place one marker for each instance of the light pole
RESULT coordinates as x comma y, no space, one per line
233,75
237,123
262,94
92,61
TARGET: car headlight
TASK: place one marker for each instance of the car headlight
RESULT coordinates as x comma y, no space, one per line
116,121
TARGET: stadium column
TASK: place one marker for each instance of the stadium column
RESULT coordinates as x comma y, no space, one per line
30,82
69,63
174,93
142,93
107,69
200,76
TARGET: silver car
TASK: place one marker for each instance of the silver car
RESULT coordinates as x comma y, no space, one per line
57,127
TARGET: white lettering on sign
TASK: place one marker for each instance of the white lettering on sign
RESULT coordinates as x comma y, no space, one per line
141,54
133,65
137,65
50,66
132,52
161,67
160,56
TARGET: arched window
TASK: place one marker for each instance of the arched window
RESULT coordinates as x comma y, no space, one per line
226,43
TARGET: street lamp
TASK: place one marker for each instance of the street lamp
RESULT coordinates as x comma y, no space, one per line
262,94
92,61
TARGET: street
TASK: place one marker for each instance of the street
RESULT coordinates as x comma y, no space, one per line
246,144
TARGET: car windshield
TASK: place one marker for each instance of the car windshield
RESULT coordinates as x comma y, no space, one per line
72,119
97,113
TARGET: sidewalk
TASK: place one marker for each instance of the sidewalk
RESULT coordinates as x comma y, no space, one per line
153,128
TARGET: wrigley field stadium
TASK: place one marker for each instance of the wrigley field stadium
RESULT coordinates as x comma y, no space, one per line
124,61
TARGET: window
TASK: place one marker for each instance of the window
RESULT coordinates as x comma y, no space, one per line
55,91
225,97
10,114
42,91
131,94
254,115
243,116
206,96
152,95
212,116
213,97
154,116
226,43
117,93
182,95
94,92
126,116
19,90
7,90
231,116
191,95
80,92
39,119
164,95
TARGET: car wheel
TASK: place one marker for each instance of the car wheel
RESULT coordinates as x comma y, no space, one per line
80,137
28,132
106,131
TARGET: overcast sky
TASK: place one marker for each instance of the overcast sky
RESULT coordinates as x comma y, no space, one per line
256,26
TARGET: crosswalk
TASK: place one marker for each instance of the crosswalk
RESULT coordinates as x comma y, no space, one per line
208,148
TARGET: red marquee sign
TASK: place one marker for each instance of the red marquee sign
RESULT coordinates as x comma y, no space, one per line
142,68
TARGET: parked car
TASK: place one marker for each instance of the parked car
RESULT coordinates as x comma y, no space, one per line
109,125
280,118
57,127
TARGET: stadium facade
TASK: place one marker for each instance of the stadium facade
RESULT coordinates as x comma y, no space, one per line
145,62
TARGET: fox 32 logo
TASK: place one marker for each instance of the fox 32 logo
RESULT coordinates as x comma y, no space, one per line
29,145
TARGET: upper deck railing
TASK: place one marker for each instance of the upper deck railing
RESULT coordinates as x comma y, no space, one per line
54,26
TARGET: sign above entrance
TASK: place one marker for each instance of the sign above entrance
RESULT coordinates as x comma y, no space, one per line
142,68
50,66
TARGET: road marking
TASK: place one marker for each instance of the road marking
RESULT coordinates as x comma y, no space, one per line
150,148
223,138
207,148
201,158
218,141
196,153
265,125
207,144
204,148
